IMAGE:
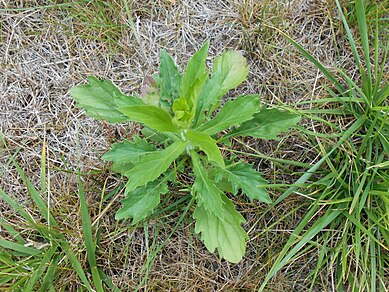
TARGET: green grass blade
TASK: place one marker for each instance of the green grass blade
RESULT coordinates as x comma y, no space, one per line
15,205
131,23
356,126
382,94
19,247
285,256
316,62
35,196
362,26
48,279
36,276
356,222
15,234
76,265
108,282
365,76
88,237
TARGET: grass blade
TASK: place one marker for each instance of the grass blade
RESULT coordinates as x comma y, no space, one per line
285,256
48,279
45,262
88,237
19,247
310,57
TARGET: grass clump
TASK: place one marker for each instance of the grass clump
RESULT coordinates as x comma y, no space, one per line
35,252
351,195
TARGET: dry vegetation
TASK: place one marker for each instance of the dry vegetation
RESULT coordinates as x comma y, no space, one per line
46,47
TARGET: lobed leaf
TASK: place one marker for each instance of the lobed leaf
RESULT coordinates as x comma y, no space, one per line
149,167
139,203
224,234
205,190
267,124
242,176
206,144
232,113
150,116
101,100
127,151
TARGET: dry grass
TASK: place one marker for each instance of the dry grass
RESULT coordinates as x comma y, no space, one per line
47,49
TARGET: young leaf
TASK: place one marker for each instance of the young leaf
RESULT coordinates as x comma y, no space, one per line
242,176
195,74
139,203
205,190
183,113
169,78
267,124
229,71
209,97
149,167
192,83
101,100
226,235
151,116
206,144
232,113
127,151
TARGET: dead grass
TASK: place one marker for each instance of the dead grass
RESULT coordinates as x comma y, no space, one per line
44,51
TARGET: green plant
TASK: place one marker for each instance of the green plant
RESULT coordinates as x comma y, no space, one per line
182,131
34,250
372,8
351,195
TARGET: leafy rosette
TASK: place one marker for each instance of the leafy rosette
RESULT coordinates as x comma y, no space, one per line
184,124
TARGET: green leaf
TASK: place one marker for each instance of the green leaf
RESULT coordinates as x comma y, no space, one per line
101,100
192,83
19,247
139,203
149,167
232,113
169,77
121,168
229,71
151,116
206,144
226,235
242,176
232,68
267,124
183,113
90,244
150,134
382,94
128,151
205,190
209,98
